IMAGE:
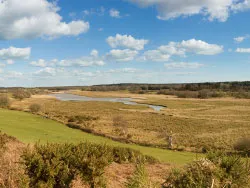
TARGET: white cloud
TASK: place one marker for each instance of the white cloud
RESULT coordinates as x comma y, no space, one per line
94,11
92,60
35,18
200,47
164,52
1,71
126,41
215,9
242,5
15,53
43,63
243,50
114,13
154,55
241,38
47,71
183,65
122,55
94,53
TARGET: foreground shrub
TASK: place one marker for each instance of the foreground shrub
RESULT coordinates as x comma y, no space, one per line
243,145
140,177
4,101
57,165
217,170
34,108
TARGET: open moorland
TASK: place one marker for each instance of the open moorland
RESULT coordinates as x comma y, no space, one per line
53,142
194,124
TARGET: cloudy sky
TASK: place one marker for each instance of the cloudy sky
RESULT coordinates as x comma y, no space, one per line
62,42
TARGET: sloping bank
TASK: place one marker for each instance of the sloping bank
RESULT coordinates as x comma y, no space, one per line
30,128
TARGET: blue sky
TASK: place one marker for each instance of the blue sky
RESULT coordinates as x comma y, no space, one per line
48,43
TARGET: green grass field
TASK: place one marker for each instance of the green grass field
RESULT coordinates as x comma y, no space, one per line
30,128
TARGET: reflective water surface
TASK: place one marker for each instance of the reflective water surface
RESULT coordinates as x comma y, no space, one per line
128,101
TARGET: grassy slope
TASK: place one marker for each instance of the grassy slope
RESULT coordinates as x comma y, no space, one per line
30,128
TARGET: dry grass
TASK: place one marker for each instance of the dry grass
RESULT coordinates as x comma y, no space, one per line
195,123
11,172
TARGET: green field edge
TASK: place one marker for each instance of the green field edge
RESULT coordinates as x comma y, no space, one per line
30,128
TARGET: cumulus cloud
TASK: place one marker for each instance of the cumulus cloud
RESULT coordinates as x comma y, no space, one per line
114,13
92,60
94,53
164,52
240,6
241,38
213,9
35,18
15,53
126,41
243,50
43,63
200,47
183,65
122,55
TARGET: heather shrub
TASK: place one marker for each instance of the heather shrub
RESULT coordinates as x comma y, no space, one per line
81,118
34,108
187,94
243,145
4,101
21,94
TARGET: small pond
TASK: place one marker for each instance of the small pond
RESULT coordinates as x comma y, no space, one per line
128,101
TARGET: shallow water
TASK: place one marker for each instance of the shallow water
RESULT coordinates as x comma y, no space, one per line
128,101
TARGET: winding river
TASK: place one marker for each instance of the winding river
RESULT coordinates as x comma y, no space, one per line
128,101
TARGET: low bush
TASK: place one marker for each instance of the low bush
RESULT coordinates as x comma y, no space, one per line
81,118
34,108
241,95
216,170
21,94
243,145
57,165
4,101
187,94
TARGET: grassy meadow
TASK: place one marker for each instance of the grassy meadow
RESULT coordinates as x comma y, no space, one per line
194,123
30,128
